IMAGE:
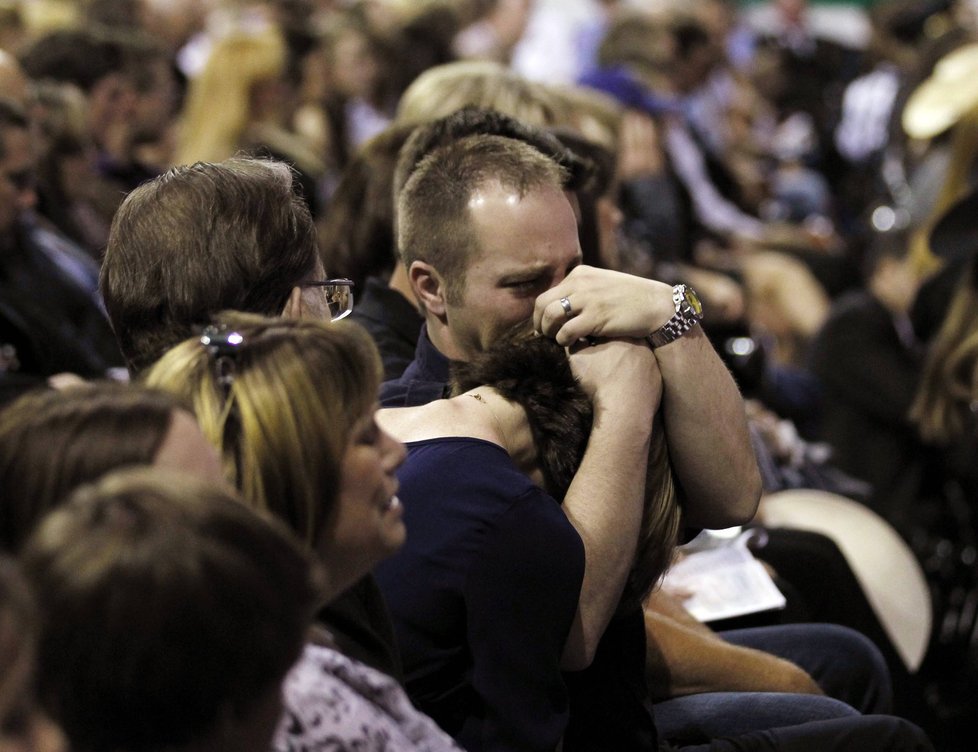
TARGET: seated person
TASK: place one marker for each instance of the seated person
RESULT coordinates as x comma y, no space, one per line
289,405
459,528
51,442
170,614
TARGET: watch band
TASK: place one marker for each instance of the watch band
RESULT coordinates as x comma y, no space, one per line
689,312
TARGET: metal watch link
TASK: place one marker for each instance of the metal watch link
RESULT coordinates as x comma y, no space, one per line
689,312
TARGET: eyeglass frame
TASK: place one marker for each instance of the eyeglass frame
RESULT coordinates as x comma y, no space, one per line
337,282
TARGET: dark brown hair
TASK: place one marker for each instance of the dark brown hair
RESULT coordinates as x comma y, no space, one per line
166,605
200,239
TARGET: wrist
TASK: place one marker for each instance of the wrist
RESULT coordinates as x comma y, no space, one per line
687,313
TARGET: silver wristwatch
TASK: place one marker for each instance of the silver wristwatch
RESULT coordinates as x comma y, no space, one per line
689,312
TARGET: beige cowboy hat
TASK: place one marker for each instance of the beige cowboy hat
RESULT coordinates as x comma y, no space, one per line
943,98
884,565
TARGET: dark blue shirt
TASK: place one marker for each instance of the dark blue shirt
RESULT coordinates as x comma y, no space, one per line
483,595
423,381
393,322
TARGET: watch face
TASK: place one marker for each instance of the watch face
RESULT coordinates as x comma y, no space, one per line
694,302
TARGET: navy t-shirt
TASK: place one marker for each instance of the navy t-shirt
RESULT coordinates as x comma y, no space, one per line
483,595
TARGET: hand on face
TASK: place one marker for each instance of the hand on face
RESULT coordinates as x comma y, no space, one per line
602,303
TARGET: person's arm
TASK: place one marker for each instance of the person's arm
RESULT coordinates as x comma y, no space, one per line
605,499
684,657
706,427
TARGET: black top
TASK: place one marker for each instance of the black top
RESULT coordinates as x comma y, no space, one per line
483,594
869,373
393,323
423,381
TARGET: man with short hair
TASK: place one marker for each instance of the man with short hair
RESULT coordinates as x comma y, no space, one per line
490,239
486,229
204,238
486,247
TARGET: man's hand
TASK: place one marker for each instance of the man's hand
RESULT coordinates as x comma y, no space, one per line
603,303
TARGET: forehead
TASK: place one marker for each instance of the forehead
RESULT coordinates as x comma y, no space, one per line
515,233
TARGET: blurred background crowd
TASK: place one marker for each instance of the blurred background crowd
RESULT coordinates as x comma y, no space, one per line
808,167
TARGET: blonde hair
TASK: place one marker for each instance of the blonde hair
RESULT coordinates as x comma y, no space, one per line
218,107
279,409
950,380
444,89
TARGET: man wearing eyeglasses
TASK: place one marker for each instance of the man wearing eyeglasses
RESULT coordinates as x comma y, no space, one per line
235,235
207,237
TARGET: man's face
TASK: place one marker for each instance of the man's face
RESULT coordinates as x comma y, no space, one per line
16,176
527,245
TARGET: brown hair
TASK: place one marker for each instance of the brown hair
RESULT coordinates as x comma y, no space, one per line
52,441
200,239
432,211
165,603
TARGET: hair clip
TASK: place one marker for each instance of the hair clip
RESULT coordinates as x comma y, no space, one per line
222,345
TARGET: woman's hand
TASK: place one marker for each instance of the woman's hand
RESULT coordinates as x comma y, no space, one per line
622,379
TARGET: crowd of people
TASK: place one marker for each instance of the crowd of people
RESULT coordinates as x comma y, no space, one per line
364,366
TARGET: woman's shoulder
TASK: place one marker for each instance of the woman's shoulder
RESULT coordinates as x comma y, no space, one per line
470,415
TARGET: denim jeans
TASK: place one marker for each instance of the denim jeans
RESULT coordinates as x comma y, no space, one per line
865,733
845,664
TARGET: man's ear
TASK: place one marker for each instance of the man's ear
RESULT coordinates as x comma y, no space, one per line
294,308
428,287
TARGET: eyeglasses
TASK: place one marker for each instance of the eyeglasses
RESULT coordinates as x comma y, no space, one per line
339,296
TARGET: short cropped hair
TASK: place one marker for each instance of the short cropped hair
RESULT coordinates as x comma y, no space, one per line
166,606
432,210
53,441
201,239
282,410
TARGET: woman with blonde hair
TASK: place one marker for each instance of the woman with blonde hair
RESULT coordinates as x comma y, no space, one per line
243,100
289,405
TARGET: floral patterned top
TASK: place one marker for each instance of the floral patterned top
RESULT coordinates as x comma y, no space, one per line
336,704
